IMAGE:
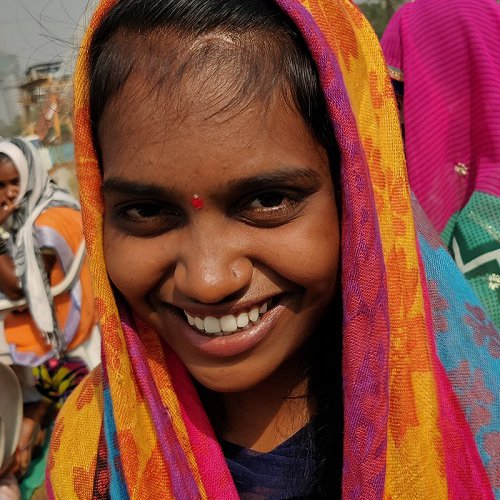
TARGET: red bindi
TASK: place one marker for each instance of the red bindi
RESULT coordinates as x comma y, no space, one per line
197,202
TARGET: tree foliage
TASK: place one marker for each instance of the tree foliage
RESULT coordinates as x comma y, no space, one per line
378,12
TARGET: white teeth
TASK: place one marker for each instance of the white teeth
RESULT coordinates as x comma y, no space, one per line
212,325
253,315
242,320
228,323
198,322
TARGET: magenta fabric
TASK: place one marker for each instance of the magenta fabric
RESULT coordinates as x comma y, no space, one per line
449,54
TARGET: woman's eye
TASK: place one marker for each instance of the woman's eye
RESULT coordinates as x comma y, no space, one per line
271,208
268,200
147,218
142,211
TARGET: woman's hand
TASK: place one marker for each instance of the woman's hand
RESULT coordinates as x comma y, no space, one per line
6,210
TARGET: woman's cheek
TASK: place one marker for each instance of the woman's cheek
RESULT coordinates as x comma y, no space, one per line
319,270
129,263
308,256
321,258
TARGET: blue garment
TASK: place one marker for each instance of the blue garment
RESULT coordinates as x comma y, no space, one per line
286,472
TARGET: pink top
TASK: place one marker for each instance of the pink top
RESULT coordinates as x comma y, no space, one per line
448,53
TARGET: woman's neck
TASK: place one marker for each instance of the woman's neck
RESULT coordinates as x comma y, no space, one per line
265,416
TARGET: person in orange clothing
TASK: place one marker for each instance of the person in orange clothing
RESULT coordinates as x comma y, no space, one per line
45,230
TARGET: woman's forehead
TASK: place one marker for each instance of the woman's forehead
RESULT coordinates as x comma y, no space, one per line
180,142
8,166
182,75
207,110
215,89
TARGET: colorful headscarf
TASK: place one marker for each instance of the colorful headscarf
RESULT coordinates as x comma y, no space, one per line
420,360
446,54
37,193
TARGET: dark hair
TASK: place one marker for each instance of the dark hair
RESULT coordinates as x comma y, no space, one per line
5,158
270,56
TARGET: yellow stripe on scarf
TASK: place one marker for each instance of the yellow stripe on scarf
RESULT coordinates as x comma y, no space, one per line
414,456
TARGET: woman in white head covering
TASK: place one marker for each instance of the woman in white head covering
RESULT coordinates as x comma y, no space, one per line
44,227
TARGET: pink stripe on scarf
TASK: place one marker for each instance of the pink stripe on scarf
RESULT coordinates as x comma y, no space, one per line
212,465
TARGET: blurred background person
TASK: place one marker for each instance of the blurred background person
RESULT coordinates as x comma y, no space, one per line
443,58
53,341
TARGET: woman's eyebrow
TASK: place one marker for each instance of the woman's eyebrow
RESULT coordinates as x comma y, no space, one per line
308,178
287,175
134,188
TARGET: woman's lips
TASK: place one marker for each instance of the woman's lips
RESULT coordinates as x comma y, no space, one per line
226,344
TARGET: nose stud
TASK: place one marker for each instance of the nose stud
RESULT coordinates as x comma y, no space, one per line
197,202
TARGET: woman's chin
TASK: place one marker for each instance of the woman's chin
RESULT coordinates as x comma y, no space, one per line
230,381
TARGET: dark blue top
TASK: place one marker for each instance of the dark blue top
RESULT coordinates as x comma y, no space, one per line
286,472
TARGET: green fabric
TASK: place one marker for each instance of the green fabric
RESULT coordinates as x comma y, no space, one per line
447,234
35,475
473,238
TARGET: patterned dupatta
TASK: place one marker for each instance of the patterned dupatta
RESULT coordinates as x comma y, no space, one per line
420,358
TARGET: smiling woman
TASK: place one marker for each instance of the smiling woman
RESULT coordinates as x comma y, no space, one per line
267,189
236,159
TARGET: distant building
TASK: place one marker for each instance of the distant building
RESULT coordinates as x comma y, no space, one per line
10,72
44,71
46,102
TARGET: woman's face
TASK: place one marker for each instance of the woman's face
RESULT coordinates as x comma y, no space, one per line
9,183
220,230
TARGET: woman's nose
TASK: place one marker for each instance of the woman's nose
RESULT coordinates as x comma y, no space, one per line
12,192
212,270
